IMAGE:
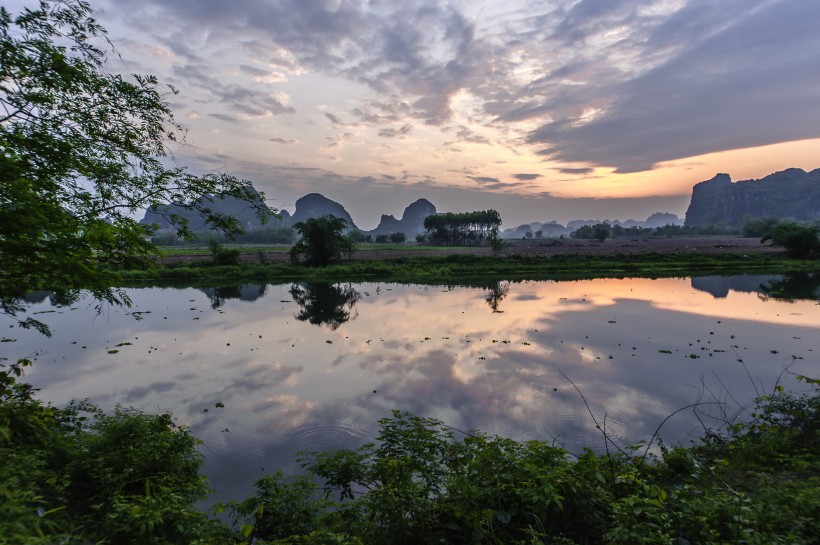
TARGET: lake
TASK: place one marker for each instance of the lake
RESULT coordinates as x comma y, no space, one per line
262,372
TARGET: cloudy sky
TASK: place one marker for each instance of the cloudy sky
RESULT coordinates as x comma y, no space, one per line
554,109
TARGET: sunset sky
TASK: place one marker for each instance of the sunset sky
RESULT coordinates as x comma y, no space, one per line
544,110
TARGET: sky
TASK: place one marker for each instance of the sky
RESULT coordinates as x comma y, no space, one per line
543,110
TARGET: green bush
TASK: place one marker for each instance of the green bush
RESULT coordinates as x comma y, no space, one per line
77,475
800,241
222,255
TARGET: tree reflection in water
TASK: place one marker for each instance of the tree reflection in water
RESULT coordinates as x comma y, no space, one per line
244,292
797,286
323,303
498,292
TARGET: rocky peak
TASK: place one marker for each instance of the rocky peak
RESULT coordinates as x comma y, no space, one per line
411,222
315,205
791,193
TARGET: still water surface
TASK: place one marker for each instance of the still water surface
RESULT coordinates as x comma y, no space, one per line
311,367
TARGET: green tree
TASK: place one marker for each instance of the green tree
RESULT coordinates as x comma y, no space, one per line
81,153
800,241
495,242
322,241
599,231
758,227
358,236
602,231
463,228
397,237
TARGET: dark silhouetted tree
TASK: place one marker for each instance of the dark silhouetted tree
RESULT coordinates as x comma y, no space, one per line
322,241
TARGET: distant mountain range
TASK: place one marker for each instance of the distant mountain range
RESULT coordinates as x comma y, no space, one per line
792,193
554,229
312,205
231,206
315,205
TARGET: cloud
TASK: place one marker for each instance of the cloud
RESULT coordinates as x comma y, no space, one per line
741,78
467,135
526,177
484,179
224,117
620,83
500,185
333,119
428,61
283,140
393,133
233,97
585,170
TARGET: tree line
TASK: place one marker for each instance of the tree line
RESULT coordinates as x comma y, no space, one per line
462,228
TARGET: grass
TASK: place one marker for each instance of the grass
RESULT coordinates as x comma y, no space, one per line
471,269
205,251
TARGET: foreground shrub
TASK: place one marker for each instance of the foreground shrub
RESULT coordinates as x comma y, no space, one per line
222,255
423,482
77,475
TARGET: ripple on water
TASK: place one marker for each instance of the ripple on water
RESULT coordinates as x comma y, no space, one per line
313,437
577,430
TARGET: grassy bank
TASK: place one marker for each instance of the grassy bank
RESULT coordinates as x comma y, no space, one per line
466,269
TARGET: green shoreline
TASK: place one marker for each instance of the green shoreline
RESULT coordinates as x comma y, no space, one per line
474,269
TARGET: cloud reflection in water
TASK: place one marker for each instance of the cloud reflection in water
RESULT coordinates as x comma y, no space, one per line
288,385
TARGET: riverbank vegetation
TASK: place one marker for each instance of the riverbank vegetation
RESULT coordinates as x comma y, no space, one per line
470,268
76,474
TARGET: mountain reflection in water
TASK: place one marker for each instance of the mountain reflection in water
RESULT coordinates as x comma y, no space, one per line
314,366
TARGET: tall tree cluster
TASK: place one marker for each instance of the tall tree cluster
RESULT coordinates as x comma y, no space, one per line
462,228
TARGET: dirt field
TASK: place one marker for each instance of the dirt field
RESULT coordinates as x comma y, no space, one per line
548,247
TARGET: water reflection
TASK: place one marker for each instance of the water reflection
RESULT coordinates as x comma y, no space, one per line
794,286
243,292
324,304
637,348
804,285
498,291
